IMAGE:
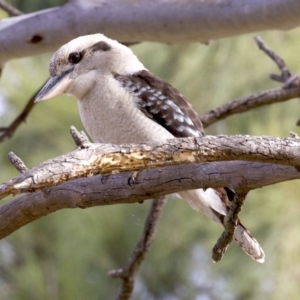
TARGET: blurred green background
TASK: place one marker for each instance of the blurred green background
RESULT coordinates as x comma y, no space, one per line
67,254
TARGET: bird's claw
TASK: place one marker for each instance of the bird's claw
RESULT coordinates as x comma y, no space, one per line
132,178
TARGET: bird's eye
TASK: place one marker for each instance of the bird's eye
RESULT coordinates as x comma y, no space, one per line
75,57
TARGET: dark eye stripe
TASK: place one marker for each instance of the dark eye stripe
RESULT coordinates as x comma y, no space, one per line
100,46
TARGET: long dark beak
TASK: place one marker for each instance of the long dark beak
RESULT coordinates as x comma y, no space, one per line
55,86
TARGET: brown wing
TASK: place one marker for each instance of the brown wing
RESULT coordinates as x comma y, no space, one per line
163,103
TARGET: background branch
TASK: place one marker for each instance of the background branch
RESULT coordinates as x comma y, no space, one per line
8,132
290,90
176,22
11,10
286,74
245,104
231,222
128,272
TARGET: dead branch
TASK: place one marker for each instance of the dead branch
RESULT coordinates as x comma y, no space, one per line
17,162
232,218
11,10
153,183
7,132
286,76
80,138
247,103
128,272
290,90
103,159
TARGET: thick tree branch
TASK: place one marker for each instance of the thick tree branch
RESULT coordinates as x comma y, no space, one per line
114,189
128,272
176,21
103,159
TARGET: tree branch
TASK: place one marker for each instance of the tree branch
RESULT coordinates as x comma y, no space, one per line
128,272
231,222
286,75
11,10
103,159
290,90
7,132
245,104
17,162
114,188
175,21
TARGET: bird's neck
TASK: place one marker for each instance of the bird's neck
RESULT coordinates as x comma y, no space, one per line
101,109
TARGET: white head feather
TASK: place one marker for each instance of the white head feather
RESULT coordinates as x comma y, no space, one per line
99,56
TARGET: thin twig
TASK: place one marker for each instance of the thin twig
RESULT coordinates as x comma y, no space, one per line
230,225
286,74
128,272
247,103
276,58
80,138
17,162
290,90
11,10
294,135
8,132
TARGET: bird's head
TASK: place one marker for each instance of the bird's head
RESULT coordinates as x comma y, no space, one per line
76,66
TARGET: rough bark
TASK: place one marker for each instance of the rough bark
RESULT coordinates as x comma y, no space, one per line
247,103
96,159
115,188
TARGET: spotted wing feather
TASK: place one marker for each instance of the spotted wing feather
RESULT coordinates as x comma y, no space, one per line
164,104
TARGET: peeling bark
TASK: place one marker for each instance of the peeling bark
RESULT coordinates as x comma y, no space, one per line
96,159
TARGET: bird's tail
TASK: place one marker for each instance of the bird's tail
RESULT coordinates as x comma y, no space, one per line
248,243
210,203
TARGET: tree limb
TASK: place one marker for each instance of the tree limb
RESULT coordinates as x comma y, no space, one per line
290,90
114,188
17,162
7,132
286,75
103,159
11,10
128,272
247,103
231,222
175,21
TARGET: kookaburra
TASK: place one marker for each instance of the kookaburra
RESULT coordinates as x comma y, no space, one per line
120,101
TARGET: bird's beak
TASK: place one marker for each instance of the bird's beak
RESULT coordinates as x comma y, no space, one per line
55,86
